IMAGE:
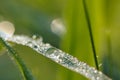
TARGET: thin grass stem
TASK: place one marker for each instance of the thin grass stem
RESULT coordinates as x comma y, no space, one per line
24,70
91,34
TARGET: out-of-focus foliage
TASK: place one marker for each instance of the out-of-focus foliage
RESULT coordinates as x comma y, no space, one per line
29,20
35,16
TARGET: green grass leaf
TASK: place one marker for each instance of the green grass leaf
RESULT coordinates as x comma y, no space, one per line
24,70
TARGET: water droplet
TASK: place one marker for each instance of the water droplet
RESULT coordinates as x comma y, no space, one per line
6,29
35,46
34,36
58,27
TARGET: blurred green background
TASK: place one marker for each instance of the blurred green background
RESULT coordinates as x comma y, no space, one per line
34,17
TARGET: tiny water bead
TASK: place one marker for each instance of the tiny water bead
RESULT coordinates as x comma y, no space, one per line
6,29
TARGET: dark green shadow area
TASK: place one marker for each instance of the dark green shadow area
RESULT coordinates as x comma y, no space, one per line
8,68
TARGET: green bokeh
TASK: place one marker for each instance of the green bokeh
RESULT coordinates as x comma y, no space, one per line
34,17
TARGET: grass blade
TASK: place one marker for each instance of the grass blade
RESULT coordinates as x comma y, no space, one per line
91,35
24,70
60,57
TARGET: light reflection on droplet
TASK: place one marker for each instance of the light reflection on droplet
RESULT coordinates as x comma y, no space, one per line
34,36
6,29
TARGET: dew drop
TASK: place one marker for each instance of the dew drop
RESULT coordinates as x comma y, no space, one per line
58,27
34,36
35,46
6,29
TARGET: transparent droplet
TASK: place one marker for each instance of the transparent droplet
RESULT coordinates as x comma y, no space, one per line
6,29
34,36
58,27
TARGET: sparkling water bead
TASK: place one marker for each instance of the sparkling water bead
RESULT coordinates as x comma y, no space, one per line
6,29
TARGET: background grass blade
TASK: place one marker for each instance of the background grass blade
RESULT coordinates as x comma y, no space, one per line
24,70
91,34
